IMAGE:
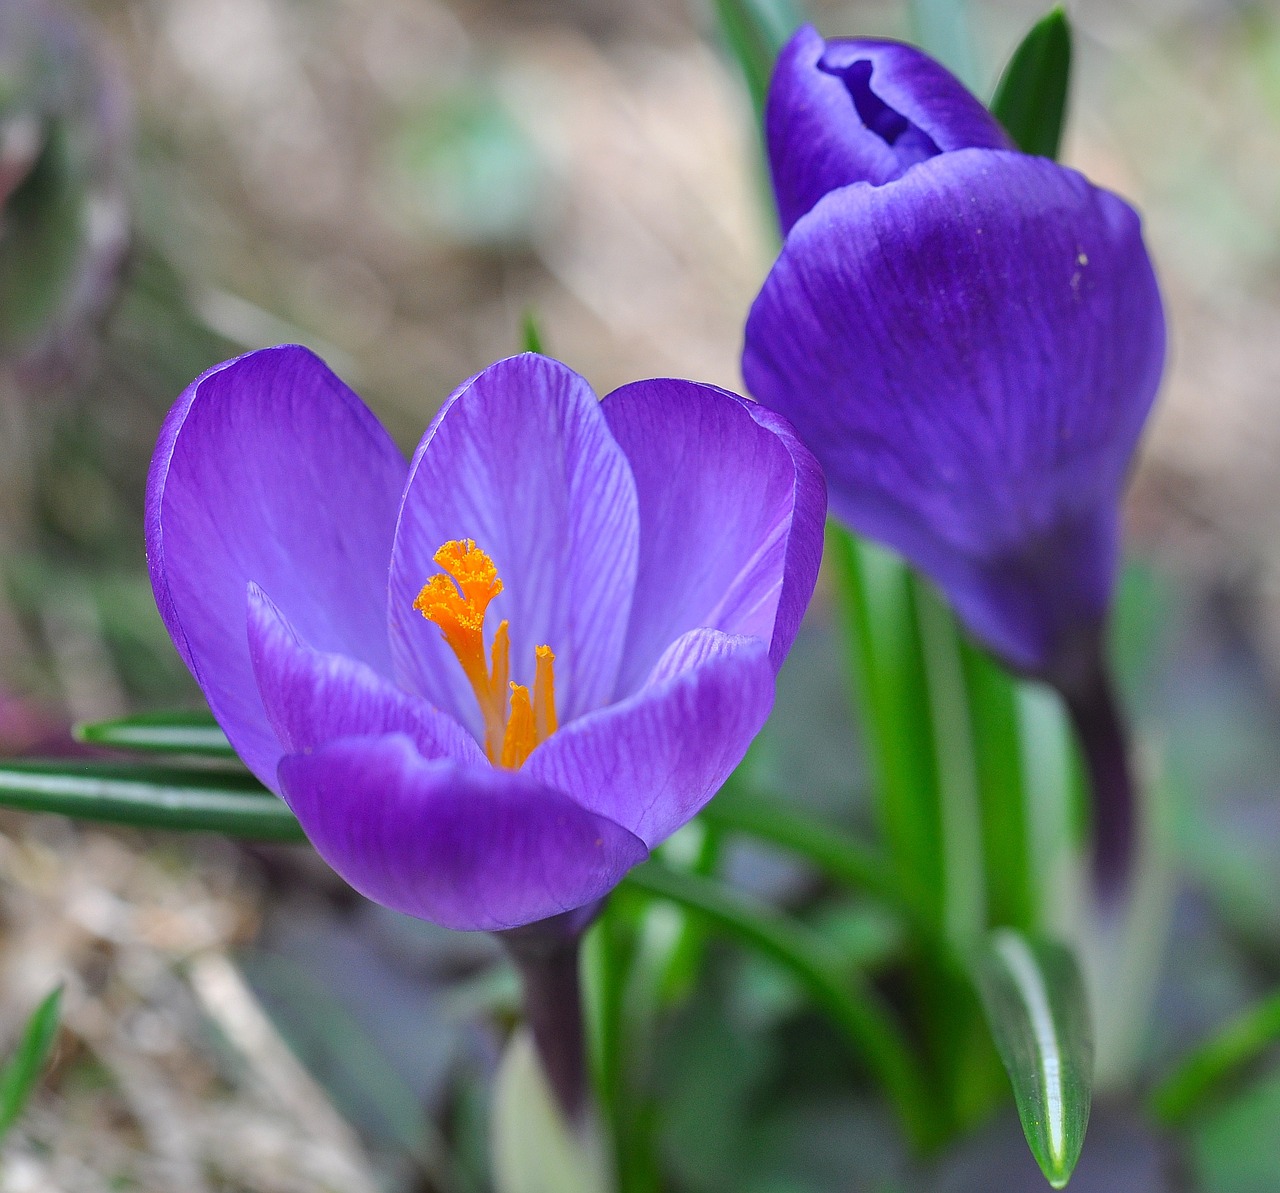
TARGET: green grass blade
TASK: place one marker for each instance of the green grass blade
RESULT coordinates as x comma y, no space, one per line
21,1074
878,605
193,733
836,853
1031,97
998,758
1202,1074
754,31
964,894
531,339
852,1007
190,800
1036,1010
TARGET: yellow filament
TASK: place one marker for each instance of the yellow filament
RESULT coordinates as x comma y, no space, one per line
456,600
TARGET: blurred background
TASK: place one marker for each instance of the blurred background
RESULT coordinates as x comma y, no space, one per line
396,183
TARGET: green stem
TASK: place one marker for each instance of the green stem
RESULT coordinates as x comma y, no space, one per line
857,1013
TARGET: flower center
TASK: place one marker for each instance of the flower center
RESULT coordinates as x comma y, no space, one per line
455,599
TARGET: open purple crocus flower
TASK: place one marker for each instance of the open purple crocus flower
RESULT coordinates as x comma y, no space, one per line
487,682
970,340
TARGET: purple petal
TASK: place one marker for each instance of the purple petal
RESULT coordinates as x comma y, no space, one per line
313,698
731,512
862,111
520,460
653,760
469,848
270,470
971,352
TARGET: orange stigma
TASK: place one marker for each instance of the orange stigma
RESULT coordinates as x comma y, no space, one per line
456,599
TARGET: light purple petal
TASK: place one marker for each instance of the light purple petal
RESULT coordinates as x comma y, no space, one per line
469,848
270,470
971,352
841,112
520,460
731,513
313,698
653,760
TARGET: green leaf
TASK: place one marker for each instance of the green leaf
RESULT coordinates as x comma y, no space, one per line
964,900
1235,1148
195,733
754,31
1002,788
878,604
1035,1006
852,1006
531,332
20,1076
1210,1066
190,800
1031,97
838,854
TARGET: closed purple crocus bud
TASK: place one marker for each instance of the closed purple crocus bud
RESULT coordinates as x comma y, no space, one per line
848,111
970,340
489,681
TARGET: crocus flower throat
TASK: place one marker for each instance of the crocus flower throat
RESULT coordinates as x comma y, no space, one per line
456,600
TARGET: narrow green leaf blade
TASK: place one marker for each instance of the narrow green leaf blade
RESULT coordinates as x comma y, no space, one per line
853,1007
21,1074
1031,97
832,850
878,604
1035,1006
194,733
189,800
754,31
531,338
1213,1063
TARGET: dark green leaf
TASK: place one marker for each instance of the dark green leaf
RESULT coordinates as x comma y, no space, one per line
1031,98
20,1076
150,797
161,733
1204,1072
1035,1006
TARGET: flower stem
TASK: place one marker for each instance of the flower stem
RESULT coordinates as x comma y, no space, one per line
548,966
1104,742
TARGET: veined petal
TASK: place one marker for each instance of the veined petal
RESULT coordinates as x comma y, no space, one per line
653,760
866,110
971,352
520,460
731,511
469,848
269,469
313,697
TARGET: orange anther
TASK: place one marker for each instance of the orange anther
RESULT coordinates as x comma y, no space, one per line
456,600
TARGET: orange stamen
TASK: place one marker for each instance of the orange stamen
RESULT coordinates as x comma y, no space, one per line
522,732
456,600
544,693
